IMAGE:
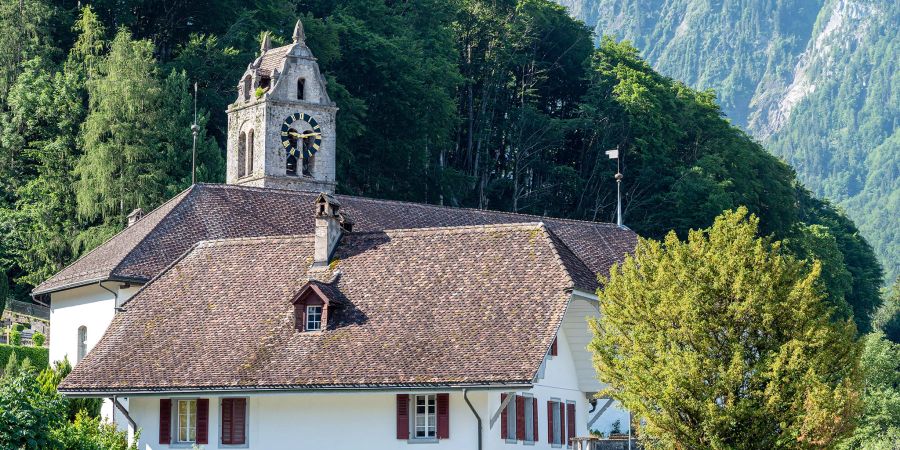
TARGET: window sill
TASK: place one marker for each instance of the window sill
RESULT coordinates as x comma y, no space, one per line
423,441
182,445
234,445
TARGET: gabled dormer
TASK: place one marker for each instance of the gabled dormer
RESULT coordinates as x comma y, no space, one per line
313,304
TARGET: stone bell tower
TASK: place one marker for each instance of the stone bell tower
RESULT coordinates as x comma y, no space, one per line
281,130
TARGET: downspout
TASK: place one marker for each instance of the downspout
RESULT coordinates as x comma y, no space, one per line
477,417
114,293
124,412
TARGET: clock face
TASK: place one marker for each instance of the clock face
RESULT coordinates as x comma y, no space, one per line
301,135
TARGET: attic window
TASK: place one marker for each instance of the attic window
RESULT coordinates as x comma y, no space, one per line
313,318
301,88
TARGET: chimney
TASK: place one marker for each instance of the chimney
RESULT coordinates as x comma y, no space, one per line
134,216
328,228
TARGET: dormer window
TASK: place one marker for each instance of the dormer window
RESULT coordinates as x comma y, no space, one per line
312,307
313,318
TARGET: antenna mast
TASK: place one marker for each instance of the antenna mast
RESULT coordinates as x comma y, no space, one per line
195,130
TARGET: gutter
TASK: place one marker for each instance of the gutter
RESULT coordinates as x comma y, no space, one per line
477,417
149,392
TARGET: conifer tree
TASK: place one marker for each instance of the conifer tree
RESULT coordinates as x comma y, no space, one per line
724,341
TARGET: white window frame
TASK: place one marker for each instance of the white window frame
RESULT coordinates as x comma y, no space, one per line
556,440
429,418
529,419
176,435
317,322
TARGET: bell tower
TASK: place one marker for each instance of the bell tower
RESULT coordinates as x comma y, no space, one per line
281,129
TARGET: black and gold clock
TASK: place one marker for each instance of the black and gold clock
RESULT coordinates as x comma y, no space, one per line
301,135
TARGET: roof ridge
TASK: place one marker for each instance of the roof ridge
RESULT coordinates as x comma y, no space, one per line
429,205
253,239
36,290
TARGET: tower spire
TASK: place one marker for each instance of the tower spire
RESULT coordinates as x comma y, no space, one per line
266,43
299,34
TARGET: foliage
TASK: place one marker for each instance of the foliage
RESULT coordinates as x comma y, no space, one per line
887,319
879,428
15,337
27,412
38,356
724,341
91,433
38,339
50,378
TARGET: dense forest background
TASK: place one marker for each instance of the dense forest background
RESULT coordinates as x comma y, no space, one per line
816,81
489,104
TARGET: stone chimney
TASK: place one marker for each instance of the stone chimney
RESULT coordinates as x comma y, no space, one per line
328,228
134,216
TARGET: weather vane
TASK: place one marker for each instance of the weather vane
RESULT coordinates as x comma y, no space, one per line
614,154
195,130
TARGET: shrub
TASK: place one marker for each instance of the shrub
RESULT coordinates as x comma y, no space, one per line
18,327
91,433
38,339
28,414
15,337
50,378
259,92
39,356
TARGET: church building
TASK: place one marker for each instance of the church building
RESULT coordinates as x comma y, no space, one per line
272,313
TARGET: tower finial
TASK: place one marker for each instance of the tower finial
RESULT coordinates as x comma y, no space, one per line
266,42
299,34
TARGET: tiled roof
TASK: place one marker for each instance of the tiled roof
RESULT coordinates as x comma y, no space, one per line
471,305
210,211
272,58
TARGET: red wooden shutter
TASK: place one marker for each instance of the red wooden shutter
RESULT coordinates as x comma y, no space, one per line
534,418
553,348
203,421
228,421
520,418
550,421
570,422
165,421
443,416
562,422
402,416
240,421
504,426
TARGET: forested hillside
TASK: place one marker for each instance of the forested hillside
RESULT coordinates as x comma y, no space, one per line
489,104
816,81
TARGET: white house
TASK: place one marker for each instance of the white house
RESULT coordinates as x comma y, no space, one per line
268,313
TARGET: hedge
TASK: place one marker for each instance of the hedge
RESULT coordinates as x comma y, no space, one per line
40,357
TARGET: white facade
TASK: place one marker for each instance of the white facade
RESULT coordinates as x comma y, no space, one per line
367,419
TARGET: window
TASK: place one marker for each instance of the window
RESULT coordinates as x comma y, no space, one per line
301,88
186,425
511,420
313,318
291,166
234,421
82,343
250,152
555,418
529,419
425,417
242,155
246,88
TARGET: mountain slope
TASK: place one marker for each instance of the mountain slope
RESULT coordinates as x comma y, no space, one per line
815,80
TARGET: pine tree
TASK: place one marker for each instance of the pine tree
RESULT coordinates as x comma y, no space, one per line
723,341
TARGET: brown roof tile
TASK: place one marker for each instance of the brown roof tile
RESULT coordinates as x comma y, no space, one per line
206,212
460,305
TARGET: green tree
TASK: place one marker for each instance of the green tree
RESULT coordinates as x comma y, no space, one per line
887,318
28,414
91,433
724,341
879,428
49,380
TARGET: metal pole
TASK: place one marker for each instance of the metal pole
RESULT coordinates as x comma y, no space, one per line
619,177
195,130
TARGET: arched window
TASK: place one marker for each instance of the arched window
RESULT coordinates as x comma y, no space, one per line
308,160
242,155
246,89
291,166
250,152
301,88
82,342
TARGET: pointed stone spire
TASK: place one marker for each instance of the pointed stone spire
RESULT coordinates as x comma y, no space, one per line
299,35
266,43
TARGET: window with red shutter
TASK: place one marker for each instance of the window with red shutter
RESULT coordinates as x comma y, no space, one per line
554,348
520,418
534,419
570,422
165,421
203,421
562,423
234,421
550,409
402,416
443,416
